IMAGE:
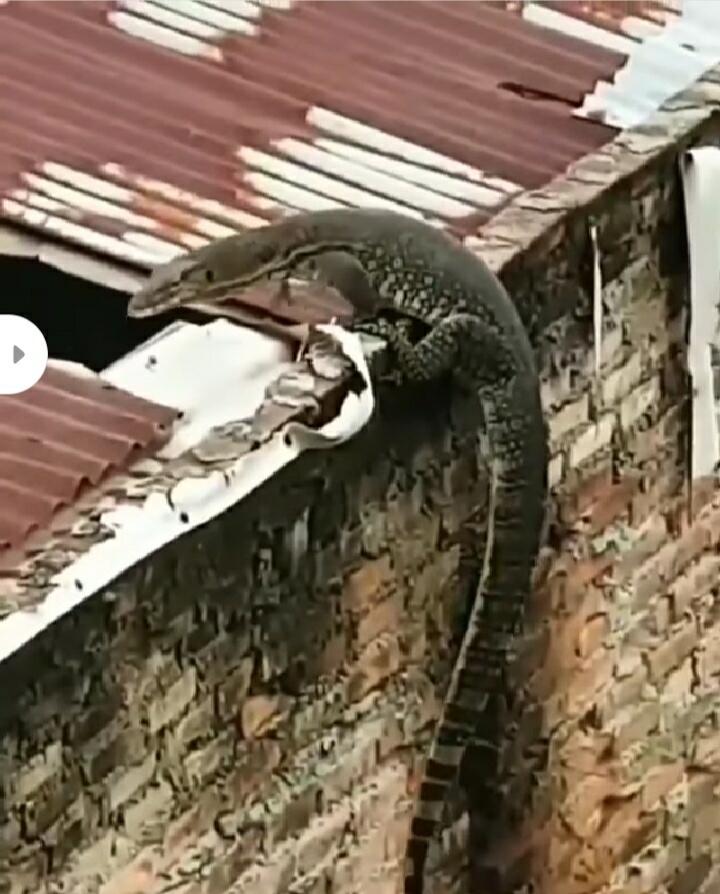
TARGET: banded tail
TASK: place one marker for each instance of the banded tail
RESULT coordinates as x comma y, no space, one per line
518,485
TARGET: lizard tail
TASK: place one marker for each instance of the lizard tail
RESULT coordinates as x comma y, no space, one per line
518,485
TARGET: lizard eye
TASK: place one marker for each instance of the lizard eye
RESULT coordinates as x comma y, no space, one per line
209,275
265,253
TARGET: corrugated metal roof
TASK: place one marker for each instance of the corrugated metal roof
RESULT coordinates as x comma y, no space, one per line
141,127
64,435
202,471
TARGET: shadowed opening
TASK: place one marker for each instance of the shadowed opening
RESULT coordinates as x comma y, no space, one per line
81,320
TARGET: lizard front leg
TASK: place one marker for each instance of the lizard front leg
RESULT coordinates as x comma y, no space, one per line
459,342
397,335
386,329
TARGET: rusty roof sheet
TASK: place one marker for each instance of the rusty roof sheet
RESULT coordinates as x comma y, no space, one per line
63,437
140,128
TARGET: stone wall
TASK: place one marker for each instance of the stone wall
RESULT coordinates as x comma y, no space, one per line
245,712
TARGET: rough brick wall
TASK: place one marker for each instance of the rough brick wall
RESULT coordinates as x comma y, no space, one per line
245,712
625,763
248,699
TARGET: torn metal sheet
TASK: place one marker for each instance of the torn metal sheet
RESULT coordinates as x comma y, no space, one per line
212,373
597,301
357,406
700,171
300,396
667,49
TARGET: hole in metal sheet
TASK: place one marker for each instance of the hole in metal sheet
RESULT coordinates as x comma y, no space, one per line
535,93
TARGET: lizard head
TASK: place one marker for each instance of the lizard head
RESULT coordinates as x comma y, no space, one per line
212,272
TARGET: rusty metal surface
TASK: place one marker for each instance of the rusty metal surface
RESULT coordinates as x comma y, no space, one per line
613,14
62,437
137,135
135,150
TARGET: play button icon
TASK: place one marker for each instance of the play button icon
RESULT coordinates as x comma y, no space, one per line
23,354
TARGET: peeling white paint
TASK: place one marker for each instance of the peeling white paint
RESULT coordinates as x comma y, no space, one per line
700,170
77,191
192,27
355,171
286,196
175,19
81,180
161,248
43,203
330,187
86,202
248,9
163,517
355,132
276,4
231,18
659,65
445,184
210,208
70,203
164,37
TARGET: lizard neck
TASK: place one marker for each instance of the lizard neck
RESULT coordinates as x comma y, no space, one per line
416,268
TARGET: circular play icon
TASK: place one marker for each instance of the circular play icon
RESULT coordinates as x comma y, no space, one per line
23,354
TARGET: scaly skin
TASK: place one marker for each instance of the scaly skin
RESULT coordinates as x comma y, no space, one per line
475,334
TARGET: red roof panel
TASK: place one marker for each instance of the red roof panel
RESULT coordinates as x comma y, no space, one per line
65,434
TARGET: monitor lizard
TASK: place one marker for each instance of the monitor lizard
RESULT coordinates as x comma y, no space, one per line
474,332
